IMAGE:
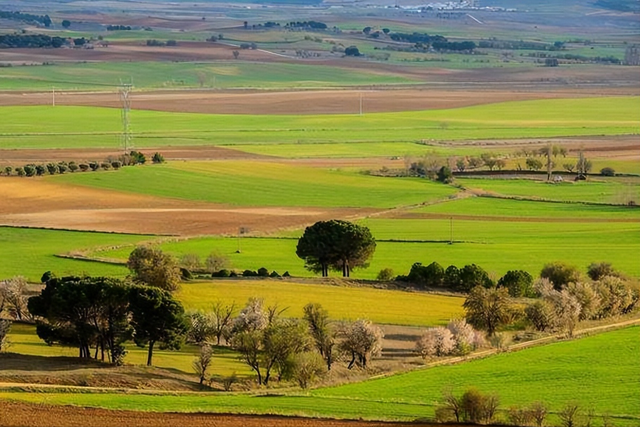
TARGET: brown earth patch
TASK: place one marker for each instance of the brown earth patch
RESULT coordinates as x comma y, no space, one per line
40,203
20,414
294,102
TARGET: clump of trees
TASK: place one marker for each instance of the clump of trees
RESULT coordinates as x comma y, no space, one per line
337,245
103,313
22,41
457,338
453,278
472,407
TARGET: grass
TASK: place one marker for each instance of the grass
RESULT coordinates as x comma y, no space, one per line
594,190
528,245
557,373
256,183
24,340
343,303
30,252
488,206
576,370
355,150
46,127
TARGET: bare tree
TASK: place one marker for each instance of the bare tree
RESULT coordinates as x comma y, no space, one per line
222,318
13,297
203,362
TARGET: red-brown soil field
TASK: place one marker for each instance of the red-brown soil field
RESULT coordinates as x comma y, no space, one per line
14,414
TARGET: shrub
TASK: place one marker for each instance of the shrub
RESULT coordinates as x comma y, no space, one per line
430,276
598,270
352,51
73,166
20,172
519,416
464,336
286,274
116,164
221,273
436,342
216,262
569,414
157,158
105,165
607,171
40,170
560,274
445,175
263,272
538,412
52,168
518,282
7,170
478,407
227,382
541,315
274,274
29,170
249,273
93,165
385,275
307,367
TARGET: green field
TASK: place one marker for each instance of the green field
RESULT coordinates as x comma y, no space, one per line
75,127
24,340
529,246
491,206
605,381
264,184
595,190
176,75
343,303
30,252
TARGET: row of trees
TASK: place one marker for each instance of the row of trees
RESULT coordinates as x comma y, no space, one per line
556,309
31,41
26,17
61,167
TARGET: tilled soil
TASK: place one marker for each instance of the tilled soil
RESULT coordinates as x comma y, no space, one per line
15,414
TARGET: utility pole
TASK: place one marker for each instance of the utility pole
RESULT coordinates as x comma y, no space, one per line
125,89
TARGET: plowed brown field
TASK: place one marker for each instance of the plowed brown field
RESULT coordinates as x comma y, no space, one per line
16,414
38,203
298,102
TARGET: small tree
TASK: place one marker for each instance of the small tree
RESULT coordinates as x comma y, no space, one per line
598,270
216,262
152,267
487,309
518,282
156,318
222,318
321,330
538,412
569,414
436,342
385,275
607,171
352,51
5,327
203,362
236,54
560,274
66,23
157,158
541,315
190,261
445,175
307,367
361,340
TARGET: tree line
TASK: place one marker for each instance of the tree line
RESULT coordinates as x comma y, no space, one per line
61,167
26,17
31,41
